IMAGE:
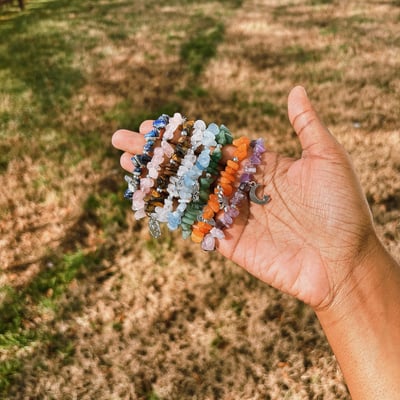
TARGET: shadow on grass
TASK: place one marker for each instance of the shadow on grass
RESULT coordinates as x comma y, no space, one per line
298,55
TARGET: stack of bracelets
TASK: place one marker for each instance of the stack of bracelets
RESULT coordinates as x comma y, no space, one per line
177,179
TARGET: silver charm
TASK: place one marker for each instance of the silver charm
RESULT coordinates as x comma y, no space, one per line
222,199
253,196
207,221
154,228
196,192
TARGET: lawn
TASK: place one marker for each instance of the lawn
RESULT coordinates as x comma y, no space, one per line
91,305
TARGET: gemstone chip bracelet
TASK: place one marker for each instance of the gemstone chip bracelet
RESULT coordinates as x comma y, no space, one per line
180,181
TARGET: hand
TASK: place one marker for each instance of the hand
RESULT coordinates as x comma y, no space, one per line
317,227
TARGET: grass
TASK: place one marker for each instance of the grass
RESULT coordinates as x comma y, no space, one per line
201,45
20,307
318,2
81,282
45,63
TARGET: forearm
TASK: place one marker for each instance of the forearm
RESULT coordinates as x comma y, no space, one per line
363,328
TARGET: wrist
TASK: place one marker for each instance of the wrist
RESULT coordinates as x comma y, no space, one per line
362,325
368,277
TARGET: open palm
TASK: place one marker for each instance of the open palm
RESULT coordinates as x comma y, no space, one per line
317,222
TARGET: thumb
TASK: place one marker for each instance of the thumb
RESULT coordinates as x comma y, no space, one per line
314,137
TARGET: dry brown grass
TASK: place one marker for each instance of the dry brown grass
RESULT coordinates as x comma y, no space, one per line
161,319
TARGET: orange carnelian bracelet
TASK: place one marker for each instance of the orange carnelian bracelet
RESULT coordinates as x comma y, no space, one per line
223,190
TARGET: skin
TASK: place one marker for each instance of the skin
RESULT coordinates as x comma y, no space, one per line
316,241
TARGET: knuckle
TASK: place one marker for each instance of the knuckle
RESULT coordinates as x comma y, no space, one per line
303,120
